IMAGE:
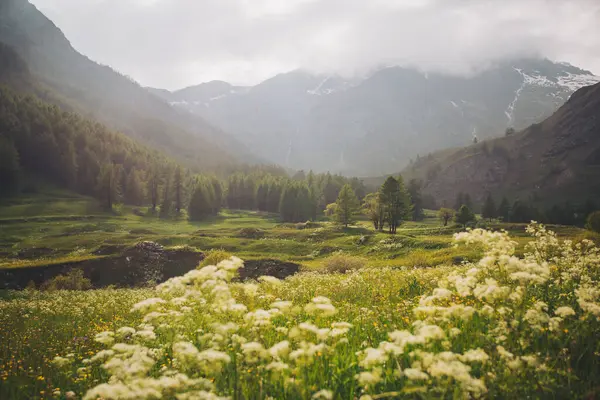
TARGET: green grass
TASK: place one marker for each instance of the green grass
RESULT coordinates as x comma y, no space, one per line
42,229
55,227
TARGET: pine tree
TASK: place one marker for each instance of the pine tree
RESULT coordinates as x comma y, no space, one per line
504,210
489,208
154,187
134,190
165,206
347,206
107,185
178,190
414,189
460,200
468,202
395,200
200,206
464,216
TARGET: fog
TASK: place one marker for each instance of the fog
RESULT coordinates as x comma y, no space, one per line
176,43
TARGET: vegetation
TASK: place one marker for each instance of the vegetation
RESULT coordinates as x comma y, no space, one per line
593,222
464,216
489,208
446,215
347,206
343,263
74,280
490,329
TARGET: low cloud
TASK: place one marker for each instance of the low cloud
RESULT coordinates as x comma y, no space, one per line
175,43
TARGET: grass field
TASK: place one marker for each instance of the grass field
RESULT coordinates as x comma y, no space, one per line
59,227
415,322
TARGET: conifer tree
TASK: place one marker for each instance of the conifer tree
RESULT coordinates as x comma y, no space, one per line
178,190
504,210
464,216
347,206
396,202
489,208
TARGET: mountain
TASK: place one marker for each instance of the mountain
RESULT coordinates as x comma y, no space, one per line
552,161
376,124
100,93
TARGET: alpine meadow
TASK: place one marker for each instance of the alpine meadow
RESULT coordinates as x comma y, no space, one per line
317,200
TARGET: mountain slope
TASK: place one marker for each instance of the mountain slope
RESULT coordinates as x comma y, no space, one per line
101,93
376,124
555,160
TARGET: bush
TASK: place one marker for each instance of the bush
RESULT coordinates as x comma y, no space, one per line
214,256
73,280
342,263
593,222
251,233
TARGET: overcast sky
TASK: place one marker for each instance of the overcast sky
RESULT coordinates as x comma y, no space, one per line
177,43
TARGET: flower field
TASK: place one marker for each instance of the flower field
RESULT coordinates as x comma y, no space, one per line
505,326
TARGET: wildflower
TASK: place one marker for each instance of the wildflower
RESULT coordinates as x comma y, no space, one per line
415,374
369,378
61,362
323,394
564,312
107,338
254,352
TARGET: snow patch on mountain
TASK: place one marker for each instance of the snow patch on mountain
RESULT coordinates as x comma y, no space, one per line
576,81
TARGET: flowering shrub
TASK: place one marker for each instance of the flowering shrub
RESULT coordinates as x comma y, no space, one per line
502,327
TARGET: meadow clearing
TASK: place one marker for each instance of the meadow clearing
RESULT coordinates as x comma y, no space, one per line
428,313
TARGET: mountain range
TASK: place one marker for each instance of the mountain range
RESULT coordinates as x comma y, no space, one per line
375,124
59,73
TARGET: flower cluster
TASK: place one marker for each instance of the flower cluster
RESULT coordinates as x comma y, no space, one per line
504,323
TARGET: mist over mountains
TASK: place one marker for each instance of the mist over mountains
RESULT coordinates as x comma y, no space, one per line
377,124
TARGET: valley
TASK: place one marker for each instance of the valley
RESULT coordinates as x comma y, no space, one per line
345,221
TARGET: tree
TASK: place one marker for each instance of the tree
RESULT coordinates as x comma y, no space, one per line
523,212
504,210
165,206
134,189
460,200
10,169
489,208
347,206
414,189
178,189
108,184
153,186
200,205
593,221
467,201
509,131
373,208
262,195
446,215
295,203
331,210
396,202
464,216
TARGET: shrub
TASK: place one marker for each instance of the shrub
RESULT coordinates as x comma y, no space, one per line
593,222
214,256
251,233
73,280
342,263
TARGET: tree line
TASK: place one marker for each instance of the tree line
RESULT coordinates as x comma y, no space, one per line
518,211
